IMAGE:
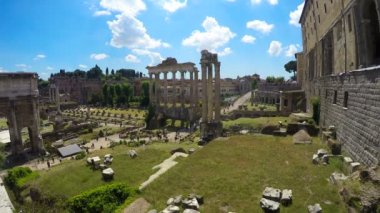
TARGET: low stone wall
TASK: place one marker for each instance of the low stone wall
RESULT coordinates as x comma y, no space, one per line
254,114
358,124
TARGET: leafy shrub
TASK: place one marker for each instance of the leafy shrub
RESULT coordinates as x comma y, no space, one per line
80,156
102,199
18,176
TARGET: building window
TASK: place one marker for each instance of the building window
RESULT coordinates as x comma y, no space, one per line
327,94
345,103
317,5
285,102
349,23
325,8
335,97
319,18
339,30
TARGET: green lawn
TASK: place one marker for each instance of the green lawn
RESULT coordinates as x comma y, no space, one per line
234,172
74,176
255,122
3,123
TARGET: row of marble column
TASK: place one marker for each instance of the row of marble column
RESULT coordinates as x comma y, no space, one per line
155,94
210,92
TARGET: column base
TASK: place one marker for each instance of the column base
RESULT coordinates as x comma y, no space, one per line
210,131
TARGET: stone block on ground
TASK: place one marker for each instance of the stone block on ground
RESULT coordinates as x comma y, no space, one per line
335,146
181,150
337,178
316,208
170,201
177,200
315,159
354,166
302,137
191,211
286,198
191,151
322,152
272,194
171,209
269,205
190,203
132,153
139,206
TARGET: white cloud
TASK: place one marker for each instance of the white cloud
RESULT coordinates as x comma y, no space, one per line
82,66
273,2
254,2
291,50
172,5
2,69
275,48
155,57
49,68
132,59
130,7
296,15
231,0
22,67
127,31
248,39
261,26
98,57
213,38
39,56
225,51
102,13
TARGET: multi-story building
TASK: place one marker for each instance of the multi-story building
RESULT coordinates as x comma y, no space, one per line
341,51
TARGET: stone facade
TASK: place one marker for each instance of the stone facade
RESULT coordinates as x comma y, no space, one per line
341,42
79,89
351,103
19,103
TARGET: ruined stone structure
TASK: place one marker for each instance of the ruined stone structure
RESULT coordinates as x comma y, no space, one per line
167,103
341,41
211,125
78,89
289,97
19,103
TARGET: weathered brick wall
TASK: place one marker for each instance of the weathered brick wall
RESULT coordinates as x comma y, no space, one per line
358,125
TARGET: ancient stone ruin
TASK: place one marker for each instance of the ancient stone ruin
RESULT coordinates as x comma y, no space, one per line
211,125
19,104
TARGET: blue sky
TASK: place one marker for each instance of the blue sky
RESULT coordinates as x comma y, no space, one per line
251,36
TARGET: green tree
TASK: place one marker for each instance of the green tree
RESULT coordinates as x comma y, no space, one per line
112,72
105,94
112,94
127,92
107,73
254,84
95,73
144,102
271,79
291,67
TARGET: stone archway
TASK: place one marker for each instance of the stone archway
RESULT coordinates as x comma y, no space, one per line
371,31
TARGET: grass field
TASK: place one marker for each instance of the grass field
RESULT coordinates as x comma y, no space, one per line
234,173
255,122
3,123
75,176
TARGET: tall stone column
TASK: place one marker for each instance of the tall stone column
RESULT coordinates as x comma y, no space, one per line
151,97
192,100
36,139
157,89
217,92
204,93
166,89
196,88
14,130
183,92
210,94
174,92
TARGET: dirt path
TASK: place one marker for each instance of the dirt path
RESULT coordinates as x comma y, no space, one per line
163,167
237,103
5,203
